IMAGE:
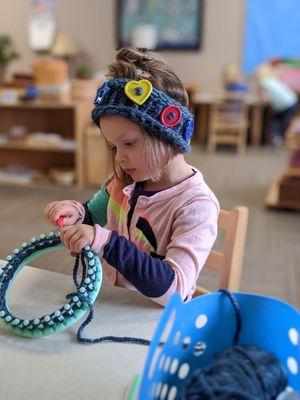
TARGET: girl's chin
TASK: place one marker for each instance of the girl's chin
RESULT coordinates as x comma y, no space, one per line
137,176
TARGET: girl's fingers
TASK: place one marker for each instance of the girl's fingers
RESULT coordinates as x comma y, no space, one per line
57,209
56,212
80,244
74,241
75,238
68,220
68,213
66,235
49,207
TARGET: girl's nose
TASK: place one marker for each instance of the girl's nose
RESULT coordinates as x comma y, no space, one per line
120,157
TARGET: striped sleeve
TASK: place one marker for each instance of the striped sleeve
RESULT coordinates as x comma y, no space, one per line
97,207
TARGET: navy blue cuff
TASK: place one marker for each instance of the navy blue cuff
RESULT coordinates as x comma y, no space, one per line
88,220
149,275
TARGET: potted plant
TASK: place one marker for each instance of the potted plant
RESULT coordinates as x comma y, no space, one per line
84,86
83,72
7,54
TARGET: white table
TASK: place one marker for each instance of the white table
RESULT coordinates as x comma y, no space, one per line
58,367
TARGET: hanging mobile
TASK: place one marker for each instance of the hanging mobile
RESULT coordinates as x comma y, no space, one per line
78,303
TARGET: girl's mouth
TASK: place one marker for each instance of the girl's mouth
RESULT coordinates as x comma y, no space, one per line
130,171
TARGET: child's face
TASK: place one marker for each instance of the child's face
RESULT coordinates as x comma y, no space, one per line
127,141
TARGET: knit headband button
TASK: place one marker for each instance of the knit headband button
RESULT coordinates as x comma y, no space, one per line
101,94
171,116
158,113
188,130
138,91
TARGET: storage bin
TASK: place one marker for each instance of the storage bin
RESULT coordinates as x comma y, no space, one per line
194,332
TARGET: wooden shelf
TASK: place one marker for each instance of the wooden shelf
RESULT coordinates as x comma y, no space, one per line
292,138
292,171
41,183
68,120
286,186
40,104
14,145
32,183
272,198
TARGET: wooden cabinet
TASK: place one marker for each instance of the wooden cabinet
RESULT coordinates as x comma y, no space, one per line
97,158
284,191
68,120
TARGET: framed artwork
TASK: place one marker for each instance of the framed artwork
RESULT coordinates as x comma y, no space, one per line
160,24
42,25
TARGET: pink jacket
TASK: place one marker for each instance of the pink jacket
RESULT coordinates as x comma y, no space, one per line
183,219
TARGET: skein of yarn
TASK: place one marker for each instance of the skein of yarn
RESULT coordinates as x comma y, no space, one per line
238,373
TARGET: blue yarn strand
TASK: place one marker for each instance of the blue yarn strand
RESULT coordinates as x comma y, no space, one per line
238,316
80,338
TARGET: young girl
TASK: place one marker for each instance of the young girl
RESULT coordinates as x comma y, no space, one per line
155,221
282,98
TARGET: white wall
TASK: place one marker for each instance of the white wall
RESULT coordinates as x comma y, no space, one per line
91,24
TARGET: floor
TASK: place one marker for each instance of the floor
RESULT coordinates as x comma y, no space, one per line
272,255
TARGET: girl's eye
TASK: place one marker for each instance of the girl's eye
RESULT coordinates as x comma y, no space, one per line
128,144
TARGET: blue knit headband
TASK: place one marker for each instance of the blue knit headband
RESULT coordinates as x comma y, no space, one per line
155,111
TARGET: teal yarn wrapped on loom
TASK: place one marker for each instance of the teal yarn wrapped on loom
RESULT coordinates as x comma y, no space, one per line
78,302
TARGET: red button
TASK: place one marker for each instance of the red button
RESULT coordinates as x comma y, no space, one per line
171,115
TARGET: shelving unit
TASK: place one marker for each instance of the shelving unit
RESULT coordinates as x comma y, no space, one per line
15,145
289,181
69,120
273,198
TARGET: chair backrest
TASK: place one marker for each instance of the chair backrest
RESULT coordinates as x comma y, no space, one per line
191,90
228,264
229,109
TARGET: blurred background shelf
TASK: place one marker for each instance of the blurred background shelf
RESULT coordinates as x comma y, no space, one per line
273,198
14,145
284,192
67,121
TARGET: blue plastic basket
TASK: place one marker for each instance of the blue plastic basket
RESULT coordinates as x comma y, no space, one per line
194,332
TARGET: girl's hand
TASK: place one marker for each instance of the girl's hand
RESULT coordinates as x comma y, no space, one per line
71,211
76,237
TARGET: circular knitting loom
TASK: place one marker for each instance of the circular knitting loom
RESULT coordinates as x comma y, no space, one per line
78,302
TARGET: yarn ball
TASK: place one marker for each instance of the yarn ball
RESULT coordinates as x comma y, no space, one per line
238,373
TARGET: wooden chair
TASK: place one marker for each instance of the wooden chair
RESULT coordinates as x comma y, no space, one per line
228,122
228,264
191,90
